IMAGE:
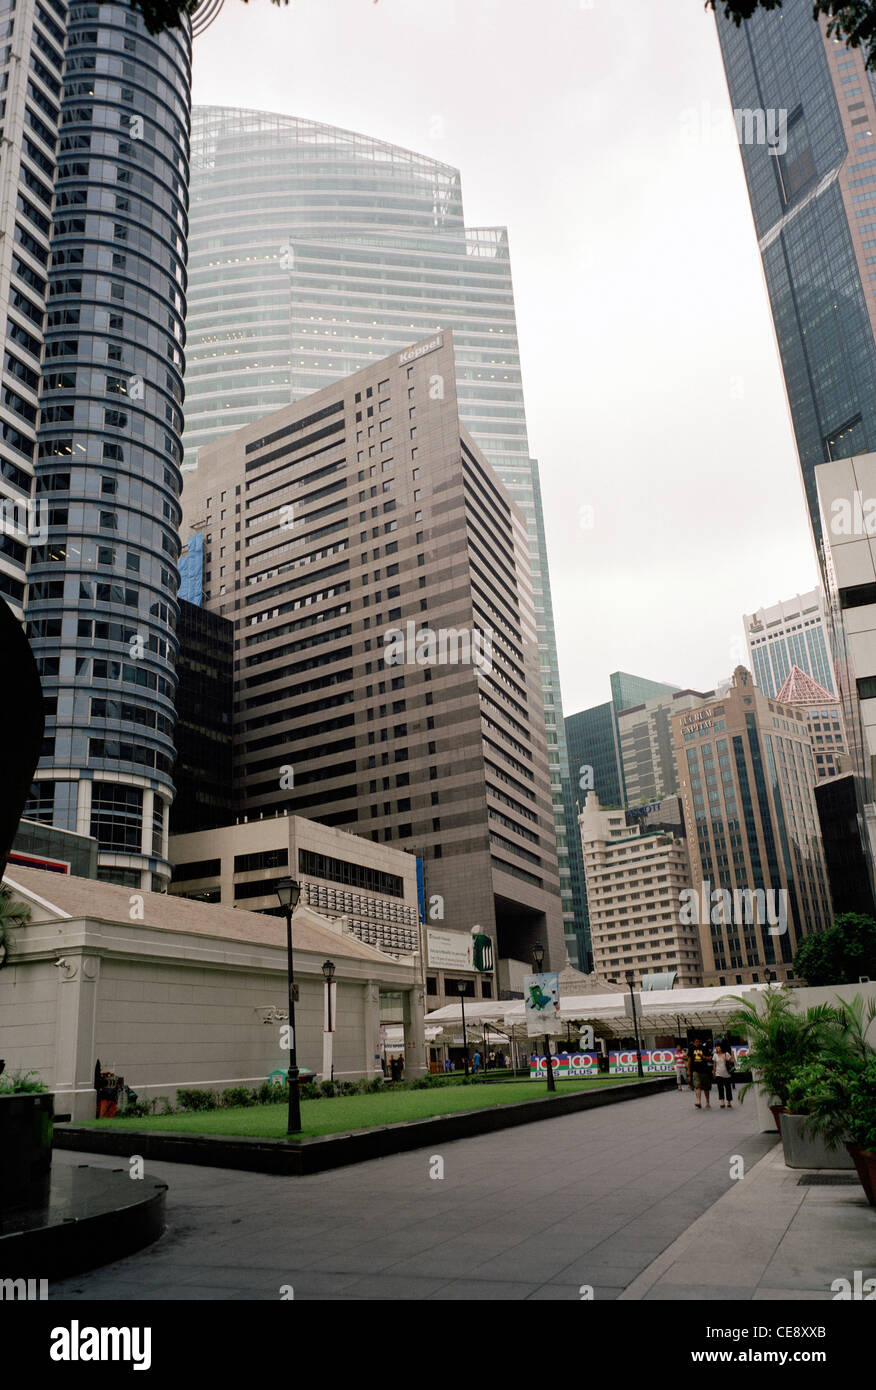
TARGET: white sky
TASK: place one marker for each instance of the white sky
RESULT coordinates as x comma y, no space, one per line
597,132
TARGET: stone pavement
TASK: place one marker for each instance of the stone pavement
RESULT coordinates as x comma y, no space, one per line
768,1238
528,1213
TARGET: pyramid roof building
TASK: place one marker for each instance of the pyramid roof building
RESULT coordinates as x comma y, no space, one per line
800,689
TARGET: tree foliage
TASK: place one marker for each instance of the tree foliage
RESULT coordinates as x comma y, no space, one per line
840,955
159,15
853,22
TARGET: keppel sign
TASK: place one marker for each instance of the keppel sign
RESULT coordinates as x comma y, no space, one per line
412,353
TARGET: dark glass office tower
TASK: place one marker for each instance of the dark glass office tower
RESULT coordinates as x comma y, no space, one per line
204,701
813,197
101,603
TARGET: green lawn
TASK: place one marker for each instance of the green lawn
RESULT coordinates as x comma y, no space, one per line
344,1113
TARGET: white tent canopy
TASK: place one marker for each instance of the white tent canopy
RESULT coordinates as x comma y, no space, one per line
659,1010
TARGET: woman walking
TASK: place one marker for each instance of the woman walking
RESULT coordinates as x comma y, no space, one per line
724,1065
701,1066
680,1063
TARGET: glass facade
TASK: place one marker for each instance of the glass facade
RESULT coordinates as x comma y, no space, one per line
803,645
813,198
204,697
101,604
315,250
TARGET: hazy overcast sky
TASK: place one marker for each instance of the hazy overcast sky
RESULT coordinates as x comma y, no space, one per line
599,132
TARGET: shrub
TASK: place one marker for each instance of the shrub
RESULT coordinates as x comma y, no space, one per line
197,1100
235,1096
327,1088
17,1083
307,1091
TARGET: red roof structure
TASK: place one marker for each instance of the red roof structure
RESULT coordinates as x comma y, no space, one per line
800,689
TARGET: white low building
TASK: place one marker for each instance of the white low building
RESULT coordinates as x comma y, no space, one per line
170,993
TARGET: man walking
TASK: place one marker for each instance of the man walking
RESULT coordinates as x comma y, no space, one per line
701,1073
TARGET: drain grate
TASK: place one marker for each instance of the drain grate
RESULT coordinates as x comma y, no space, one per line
827,1180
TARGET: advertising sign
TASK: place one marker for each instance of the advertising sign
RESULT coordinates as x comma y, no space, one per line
654,1061
449,950
567,1064
541,994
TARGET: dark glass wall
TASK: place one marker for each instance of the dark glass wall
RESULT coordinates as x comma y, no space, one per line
101,604
817,296
205,692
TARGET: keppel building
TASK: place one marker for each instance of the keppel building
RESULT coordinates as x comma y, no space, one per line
386,656
101,602
314,251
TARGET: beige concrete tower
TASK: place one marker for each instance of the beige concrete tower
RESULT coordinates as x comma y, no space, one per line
386,659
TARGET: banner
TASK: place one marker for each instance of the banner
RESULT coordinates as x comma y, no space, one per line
654,1061
567,1064
541,995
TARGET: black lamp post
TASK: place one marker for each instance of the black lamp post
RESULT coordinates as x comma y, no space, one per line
328,974
537,960
460,985
631,979
288,893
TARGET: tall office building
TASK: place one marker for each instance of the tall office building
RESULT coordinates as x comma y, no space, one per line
101,603
314,251
789,634
32,38
647,753
746,774
822,711
593,738
813,197
204,699
386,656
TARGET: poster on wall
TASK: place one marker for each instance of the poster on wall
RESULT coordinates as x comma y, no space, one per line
449,950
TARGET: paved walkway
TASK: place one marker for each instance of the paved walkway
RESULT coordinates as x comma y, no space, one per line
768,1238
529,1213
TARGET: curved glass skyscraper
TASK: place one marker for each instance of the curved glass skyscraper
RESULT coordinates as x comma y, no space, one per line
101,603
314,250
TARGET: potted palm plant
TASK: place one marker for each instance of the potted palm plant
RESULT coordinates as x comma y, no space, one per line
839,1094
779,1041
810,1087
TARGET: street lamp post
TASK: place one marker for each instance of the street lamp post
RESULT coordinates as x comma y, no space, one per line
631,981
537,961
288,893
328,974
460,985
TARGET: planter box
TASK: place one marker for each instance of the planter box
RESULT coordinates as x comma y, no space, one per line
803,1149
25,1148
